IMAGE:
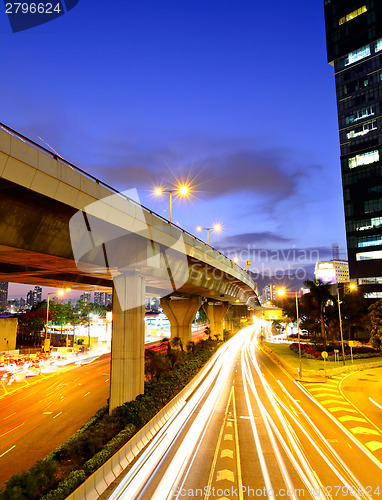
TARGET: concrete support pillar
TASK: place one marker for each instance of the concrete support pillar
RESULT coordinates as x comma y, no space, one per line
128,339
181,313
228,320
216,313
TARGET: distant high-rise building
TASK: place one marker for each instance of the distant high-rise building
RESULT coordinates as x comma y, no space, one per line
99,298
332,271
86,297
3,295
108,299
269,293
37,295
30,298
354,48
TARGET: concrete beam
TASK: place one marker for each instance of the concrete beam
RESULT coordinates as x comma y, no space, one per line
181,313
128,339
216,312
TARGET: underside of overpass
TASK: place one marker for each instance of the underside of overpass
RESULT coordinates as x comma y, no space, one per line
42,232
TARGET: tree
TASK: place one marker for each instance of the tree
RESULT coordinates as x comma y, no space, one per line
375,316
317,299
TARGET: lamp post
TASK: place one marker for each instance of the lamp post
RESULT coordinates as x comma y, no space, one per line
352,286
217,228
181,190
281,292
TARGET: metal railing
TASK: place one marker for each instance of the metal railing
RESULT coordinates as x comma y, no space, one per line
110,188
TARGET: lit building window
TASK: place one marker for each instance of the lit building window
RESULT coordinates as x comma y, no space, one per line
373,206
370,241
359,115
378,46
352,15
375,222
373,295
364,281
364,159
376,255
355,56
362,129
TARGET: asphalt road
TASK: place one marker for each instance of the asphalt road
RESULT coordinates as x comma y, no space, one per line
251,431
38,418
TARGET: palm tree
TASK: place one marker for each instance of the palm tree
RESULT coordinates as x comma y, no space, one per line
320,295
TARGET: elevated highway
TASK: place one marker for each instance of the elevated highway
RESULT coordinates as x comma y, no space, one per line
63,227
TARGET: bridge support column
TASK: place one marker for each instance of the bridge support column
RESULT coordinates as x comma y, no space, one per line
216,313
228,320
128,339
181,313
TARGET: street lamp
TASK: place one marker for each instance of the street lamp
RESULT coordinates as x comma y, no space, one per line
217,228
352,286
59,292
180,190
281,292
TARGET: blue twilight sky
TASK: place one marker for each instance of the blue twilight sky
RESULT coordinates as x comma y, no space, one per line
236,96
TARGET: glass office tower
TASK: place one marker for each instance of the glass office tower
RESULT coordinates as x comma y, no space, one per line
354,48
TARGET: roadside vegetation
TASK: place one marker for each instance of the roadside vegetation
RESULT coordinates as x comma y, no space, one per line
63,470
320,327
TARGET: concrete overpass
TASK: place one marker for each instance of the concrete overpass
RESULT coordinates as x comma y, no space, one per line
62,227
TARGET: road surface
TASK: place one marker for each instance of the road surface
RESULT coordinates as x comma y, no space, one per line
251,431
38,418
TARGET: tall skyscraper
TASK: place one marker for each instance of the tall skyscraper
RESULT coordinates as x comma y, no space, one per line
86,297
30,298
99,298
3,295
354,48
37,295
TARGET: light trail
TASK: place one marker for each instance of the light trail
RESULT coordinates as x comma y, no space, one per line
307,477
142,472
350,484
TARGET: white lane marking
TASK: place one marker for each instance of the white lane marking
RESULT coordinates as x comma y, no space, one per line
376,404
58,414
87,394
5,452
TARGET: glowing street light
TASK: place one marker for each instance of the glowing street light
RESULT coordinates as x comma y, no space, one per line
217,228
180,190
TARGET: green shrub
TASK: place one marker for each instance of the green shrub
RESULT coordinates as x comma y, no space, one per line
107,451
87,448
66,487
